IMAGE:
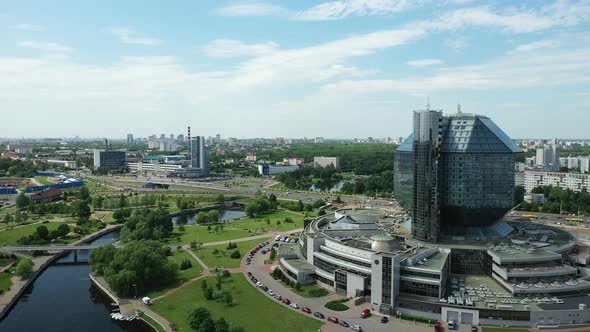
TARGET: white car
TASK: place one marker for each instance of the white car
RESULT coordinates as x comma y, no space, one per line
357,328
259,284
294,305
271,293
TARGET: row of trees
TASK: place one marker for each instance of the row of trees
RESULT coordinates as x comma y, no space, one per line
124,201
42,235
19,168
559,200
138,267
324,178
374,185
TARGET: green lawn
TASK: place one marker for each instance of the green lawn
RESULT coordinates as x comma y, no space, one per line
308,291
497,329
222,258
252,310
259,223
152,323
43,180
9,237
183,276
5,282
201,234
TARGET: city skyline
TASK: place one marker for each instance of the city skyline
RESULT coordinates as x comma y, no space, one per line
291,69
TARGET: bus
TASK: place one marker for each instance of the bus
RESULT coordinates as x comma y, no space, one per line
530,216
574,219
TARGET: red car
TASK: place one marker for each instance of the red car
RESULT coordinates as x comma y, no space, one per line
365,313
333,319
286,301
306,310
249,274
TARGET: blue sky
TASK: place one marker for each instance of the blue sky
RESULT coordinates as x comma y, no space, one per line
349,68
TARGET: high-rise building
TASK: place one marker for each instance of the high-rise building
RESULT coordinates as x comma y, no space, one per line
426,152
463,176
129,138
199,154
111,159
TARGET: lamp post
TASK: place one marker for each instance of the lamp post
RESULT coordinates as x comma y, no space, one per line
135,286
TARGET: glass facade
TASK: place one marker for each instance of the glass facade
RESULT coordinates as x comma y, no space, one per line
403,168
386,271
426,151
417,288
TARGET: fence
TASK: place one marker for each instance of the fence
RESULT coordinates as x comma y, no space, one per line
7,191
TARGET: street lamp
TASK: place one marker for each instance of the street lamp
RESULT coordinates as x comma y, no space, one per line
135,286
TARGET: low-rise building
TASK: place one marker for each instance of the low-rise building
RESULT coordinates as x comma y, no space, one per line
273,169
574,182
326,161
534,198
47,196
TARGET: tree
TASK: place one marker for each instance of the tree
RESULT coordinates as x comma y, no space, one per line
186,264
518,194
22,201
42,232
273,254
83,193
63,229
213,216
219,198
202,218
221,325
200,320
8,218
204,285
24,268
82,211
235,254
227,298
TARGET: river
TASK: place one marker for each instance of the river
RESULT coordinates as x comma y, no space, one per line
224,215
64,299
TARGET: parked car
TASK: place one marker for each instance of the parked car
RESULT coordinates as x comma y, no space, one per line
259,284
271,293
306,310
384,319
437,326
343,323
451,324
357,328
265,288
333,319
286,301
249,274
319,315
473,328
278,297
294,305
365,313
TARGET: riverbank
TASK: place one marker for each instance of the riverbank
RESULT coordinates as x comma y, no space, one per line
9,298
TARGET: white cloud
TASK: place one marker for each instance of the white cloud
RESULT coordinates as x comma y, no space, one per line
128,36
536,45
424,62
250,9
334,10
28,27
49,47
457,43
226,48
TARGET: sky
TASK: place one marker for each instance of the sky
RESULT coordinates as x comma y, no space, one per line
340,69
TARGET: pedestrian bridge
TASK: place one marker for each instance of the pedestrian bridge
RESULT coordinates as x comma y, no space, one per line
56,247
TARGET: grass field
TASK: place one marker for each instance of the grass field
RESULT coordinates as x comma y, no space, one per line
252,310
152,323
9,237
201,234
259,223
222,258
5,282
43,180
193,272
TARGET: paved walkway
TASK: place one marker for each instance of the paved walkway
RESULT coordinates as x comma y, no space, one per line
131,306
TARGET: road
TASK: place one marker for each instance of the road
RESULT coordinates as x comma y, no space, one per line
372,324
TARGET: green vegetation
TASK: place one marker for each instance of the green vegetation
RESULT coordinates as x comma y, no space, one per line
497,329
375,185
417,319
362,159
146,224
43,180
323,178
183,276
10,237
337,305
18,168
24,268
261,204
43,236
155,325
5,282
139,266
220,255
559,199
305,291
276,220
203,234
251,309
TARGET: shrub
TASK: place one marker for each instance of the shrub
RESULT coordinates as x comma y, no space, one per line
235,254
337,305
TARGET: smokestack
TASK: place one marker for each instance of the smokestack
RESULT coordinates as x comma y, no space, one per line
106,144
110,146
189,133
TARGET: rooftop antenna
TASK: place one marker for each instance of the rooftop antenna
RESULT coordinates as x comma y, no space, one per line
428,104
458,108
